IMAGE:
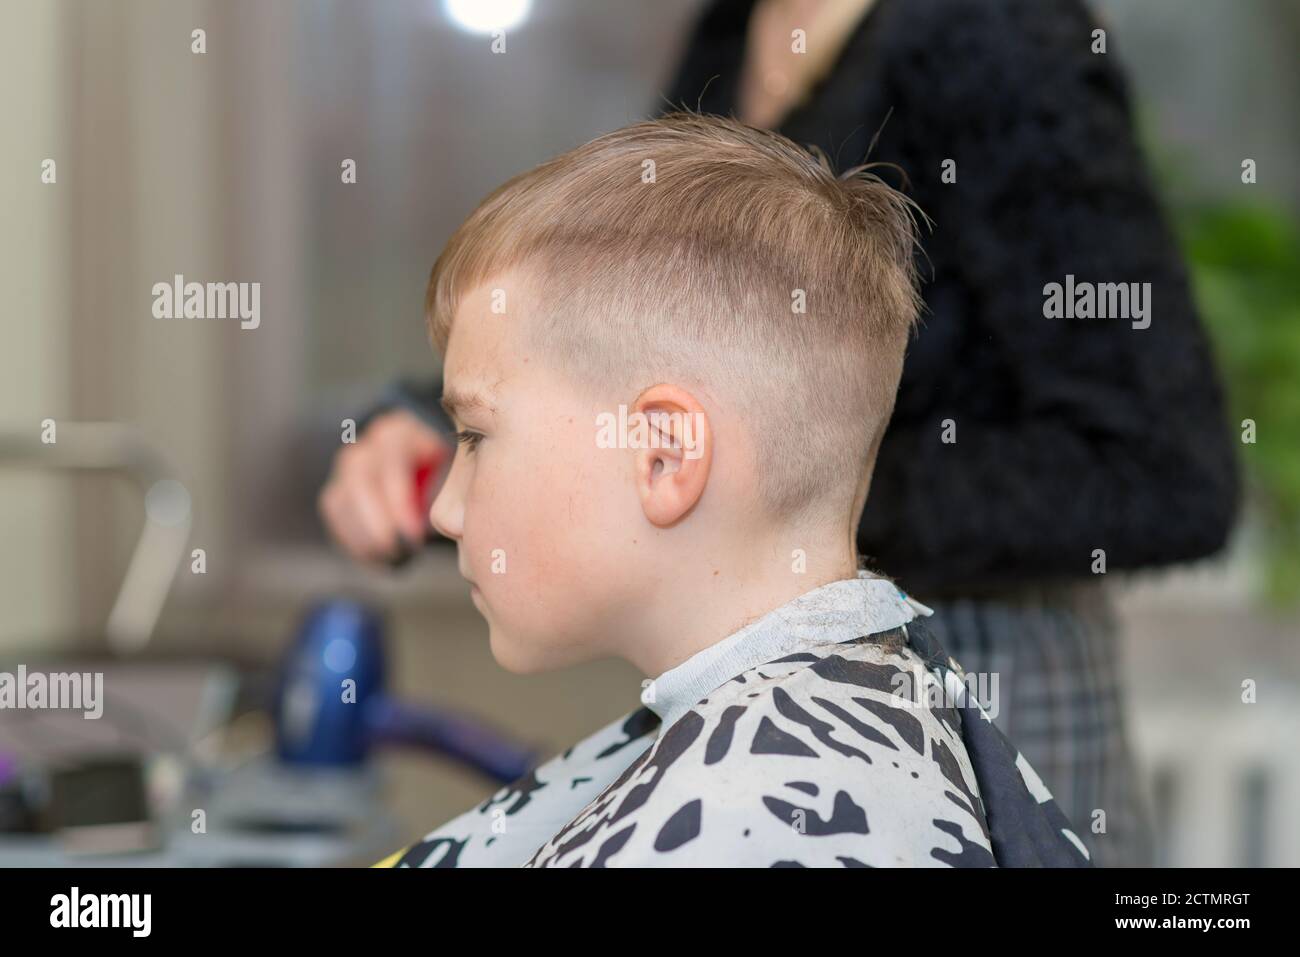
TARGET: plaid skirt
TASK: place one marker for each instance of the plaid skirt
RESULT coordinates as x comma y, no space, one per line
1055,652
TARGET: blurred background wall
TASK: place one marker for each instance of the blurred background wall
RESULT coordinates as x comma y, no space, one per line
225,166
36,528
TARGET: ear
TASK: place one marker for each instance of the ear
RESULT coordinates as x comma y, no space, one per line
673,461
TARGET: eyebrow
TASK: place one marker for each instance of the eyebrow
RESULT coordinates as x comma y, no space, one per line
454,400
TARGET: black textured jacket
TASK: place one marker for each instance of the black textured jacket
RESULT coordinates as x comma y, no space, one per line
1071,434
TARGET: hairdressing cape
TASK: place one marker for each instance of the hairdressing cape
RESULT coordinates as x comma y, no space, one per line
832,732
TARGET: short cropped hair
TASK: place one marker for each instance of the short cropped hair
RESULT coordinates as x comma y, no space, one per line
700,251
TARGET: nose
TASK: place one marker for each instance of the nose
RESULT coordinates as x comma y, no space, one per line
447,513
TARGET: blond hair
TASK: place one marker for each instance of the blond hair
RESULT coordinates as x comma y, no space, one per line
679,250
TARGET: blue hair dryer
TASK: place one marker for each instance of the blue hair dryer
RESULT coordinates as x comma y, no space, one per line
330,707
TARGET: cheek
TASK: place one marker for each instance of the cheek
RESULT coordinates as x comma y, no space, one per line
488,536
551,505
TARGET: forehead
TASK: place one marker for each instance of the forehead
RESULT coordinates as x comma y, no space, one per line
483,336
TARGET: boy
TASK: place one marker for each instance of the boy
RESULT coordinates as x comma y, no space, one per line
670,355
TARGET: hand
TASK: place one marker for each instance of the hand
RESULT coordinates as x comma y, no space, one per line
369,503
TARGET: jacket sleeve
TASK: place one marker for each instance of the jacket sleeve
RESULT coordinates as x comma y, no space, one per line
1106,436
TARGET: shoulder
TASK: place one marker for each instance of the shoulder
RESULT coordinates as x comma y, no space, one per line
997,55
988,26
815,759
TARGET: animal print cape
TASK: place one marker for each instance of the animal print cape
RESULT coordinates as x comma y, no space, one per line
833,732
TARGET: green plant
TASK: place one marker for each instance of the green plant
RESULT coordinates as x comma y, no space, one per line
1245,266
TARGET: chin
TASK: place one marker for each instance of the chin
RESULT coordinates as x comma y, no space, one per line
531,654
510,656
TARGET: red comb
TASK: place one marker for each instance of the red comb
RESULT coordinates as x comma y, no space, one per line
425,472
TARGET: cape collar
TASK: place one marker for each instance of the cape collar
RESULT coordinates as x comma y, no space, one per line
840,611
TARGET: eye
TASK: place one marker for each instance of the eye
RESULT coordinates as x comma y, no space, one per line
468,439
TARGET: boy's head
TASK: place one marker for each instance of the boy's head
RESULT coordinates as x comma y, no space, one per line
717,302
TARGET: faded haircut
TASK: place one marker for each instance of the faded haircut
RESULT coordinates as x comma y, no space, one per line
681,249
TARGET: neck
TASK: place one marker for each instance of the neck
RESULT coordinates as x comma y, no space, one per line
728,587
